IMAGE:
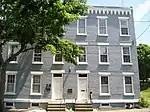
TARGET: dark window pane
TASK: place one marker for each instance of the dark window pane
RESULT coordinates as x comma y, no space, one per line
128,80
124,31
104,79
58,57
104,58
57,75
126,58
82,75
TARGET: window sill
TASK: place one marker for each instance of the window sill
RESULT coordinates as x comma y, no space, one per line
100,63
105,35
13,62
104,94
9,93
82,63
127,63
61,63
82,34
38,63
129,94
124,35
35,94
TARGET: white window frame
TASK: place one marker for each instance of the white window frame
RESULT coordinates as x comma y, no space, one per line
128,74
83,63
108,75
31,89
126,45
85,18
105,45
9,106
57,62
35,62
103,18
10,73
127,19
105,106
10,44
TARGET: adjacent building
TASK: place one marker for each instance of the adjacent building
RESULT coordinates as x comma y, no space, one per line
108,69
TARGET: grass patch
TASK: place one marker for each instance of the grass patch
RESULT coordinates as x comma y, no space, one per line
146,95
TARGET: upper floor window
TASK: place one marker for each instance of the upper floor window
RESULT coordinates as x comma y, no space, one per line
81,26
102,26
83,59
126,55
12,49
103,54
57,59
10,83
37,56
124,26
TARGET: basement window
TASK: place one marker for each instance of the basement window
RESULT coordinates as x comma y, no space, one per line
9,104
105,105
35,104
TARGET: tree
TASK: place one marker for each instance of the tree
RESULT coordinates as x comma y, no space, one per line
37,24
143,51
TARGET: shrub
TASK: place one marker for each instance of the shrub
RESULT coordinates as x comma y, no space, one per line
143,102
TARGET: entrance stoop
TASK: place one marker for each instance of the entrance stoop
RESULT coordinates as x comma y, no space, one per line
83,107
56,106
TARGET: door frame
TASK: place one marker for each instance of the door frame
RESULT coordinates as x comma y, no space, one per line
78,78
52,93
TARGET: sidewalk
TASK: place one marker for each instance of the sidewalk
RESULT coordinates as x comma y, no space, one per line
125,110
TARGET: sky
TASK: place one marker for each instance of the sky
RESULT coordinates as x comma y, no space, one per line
141,14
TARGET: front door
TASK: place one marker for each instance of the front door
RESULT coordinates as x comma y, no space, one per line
82,86
57,86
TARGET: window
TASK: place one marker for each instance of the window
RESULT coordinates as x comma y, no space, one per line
57,59
128,85
37,56
9,104
81,26
12,49
104,81
126,55
36,83
10,82
83,59
102,26
124,27
105,105
103,55
35,104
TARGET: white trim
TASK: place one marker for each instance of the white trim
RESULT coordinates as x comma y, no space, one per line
105,44
104,94
82,43
9,106
101,17
72,100
115,101
36,62
121,27
52,85
85,18
82,71
78,78
57,71
10,73
126,63
104,73
128,73
124,18
36,72
98,19
126,44
31,88
83,63
128,94
103,63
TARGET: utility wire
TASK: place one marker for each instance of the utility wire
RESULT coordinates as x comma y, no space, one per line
143,32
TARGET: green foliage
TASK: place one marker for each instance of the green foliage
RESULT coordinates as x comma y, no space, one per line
143,52
40,24
143,102
146,95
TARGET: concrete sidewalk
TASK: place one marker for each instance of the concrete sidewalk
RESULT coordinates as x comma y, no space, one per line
124,110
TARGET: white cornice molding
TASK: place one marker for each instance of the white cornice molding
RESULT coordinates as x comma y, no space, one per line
109,10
